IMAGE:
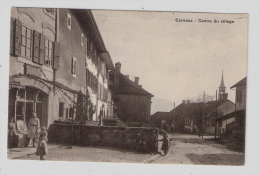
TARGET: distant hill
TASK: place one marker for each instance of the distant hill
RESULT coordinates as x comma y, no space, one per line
159,104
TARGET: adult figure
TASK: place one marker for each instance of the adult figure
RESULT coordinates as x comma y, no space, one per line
33,126
153,143
11,133
138,142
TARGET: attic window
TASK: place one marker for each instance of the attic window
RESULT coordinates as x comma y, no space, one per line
69,21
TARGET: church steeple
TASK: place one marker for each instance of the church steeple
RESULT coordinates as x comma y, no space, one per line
222,85
222,89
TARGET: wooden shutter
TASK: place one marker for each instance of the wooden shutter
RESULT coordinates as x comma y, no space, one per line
88,47
86,77
18,37
56,56
92,81
72,66
96,85
42,49
12,35
36,46
75,66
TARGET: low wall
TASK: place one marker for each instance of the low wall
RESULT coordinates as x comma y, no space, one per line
124,137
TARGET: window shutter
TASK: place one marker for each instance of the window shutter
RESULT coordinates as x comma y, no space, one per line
56,56
88,77
88,48
12,36
18,37
72,66
99,90
75,66
42,48
92,77
36,46
98,63
96,85
96,57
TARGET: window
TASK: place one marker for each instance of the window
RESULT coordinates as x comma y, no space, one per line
73,66
26,50
71,112
69,21
61,106
92,52
48,52
82,39
88,47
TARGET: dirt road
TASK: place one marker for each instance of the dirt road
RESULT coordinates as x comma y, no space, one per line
191,149
185,149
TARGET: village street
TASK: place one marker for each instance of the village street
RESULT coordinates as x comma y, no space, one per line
185,149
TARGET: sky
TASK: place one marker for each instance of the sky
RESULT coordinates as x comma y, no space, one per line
176,60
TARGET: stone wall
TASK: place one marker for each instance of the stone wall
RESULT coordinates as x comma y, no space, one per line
113,136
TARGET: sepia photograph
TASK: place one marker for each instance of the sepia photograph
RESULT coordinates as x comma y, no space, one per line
127,86
88,85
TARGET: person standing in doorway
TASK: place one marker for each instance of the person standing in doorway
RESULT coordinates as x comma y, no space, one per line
11,134
33,127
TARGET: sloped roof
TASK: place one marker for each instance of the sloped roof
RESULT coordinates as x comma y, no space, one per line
211,105
188,108
240,83
127,86
161,116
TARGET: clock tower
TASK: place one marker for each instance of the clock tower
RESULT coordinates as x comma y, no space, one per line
222,90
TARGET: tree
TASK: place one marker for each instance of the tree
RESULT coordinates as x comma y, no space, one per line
200,98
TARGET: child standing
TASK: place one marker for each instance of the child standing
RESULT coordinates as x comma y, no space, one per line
42,146
165,144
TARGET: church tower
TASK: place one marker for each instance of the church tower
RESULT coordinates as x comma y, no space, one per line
222,90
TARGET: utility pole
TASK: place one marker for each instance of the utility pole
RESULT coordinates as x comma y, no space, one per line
203,114
216,115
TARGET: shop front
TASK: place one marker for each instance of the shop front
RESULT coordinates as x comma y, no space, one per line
23,101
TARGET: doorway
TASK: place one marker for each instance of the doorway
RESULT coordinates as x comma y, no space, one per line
27,101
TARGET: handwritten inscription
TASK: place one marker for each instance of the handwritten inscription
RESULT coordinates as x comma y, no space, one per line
222,21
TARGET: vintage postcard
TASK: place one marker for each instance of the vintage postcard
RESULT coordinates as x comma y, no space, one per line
127,86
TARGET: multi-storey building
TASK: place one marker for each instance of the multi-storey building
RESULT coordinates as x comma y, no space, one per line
58,67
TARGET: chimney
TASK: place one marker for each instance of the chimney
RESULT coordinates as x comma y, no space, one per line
137,80
127,76
188,101
183,101
117,72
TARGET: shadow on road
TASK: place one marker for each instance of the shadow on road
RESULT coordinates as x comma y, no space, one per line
216,159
